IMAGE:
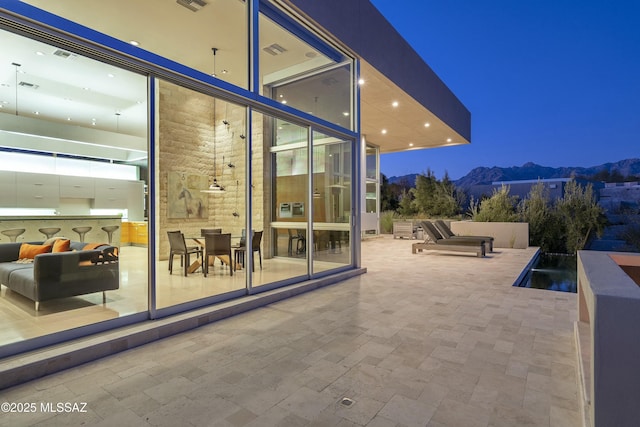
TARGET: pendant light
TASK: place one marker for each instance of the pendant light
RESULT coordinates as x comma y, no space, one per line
214,50
214,188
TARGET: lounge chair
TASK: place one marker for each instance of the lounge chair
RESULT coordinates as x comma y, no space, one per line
446,232
435,241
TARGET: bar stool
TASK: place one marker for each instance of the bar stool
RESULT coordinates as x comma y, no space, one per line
49,231
109,229
13,233
82,231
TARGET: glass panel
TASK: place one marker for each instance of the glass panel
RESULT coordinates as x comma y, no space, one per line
181,31
372,162
298,74
73,144
280,188
371,197
332,179
201,151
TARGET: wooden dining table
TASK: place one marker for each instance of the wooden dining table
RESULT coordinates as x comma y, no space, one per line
199,240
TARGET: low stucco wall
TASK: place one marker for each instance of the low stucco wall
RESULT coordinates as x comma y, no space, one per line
506,234
609,312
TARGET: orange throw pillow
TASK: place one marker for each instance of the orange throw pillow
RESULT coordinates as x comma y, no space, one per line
30,251
62,245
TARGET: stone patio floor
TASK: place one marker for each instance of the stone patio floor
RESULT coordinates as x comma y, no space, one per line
430,339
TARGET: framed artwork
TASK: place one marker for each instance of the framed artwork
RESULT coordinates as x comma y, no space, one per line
184,199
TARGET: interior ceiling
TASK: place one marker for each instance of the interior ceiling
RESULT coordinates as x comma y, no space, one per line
76,90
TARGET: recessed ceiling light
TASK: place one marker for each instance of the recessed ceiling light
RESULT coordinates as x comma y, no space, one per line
427,124
394,104
345,113
36,112
68,119
384,131
284,101
110,75
40,53
85,88
448,139
134,43
361,81
224,71
411,144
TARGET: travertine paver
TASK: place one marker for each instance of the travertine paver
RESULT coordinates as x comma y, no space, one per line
430,339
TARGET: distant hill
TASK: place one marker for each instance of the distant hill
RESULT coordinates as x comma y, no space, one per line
410,179
485,176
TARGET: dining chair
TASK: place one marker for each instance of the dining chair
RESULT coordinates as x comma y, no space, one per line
217,244
204,231
178,246
239,253
297,237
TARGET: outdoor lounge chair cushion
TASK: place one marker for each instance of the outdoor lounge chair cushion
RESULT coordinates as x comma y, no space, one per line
446,232
435,241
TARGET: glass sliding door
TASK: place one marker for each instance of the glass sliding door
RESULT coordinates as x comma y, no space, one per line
332,208
202,179
73,169
280,193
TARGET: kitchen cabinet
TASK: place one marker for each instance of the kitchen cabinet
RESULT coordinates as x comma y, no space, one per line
37,190
110,194
7,189
134,233
77,187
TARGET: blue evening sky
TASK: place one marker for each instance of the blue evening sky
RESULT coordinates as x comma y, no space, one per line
555,82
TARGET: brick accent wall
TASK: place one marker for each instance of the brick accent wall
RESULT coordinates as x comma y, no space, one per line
185,145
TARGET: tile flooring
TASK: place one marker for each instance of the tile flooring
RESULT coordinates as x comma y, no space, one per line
430,339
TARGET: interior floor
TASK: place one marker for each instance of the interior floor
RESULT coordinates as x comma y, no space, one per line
20,320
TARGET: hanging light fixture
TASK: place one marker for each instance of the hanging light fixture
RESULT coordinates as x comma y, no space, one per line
214,50
214,188
235,212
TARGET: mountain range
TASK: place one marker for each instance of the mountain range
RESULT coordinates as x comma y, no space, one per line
484,175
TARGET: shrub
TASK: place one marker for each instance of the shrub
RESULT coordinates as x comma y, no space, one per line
631,234
500,207
386,221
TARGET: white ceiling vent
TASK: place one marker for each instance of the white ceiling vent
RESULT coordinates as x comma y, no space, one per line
28,85
64,54
274,49
192,5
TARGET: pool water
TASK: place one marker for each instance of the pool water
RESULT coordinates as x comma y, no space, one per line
556,272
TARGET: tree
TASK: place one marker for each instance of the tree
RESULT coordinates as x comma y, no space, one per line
435,198
388,199
500,207
405,207
545,226
581,215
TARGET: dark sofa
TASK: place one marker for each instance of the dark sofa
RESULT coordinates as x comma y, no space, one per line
61,274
